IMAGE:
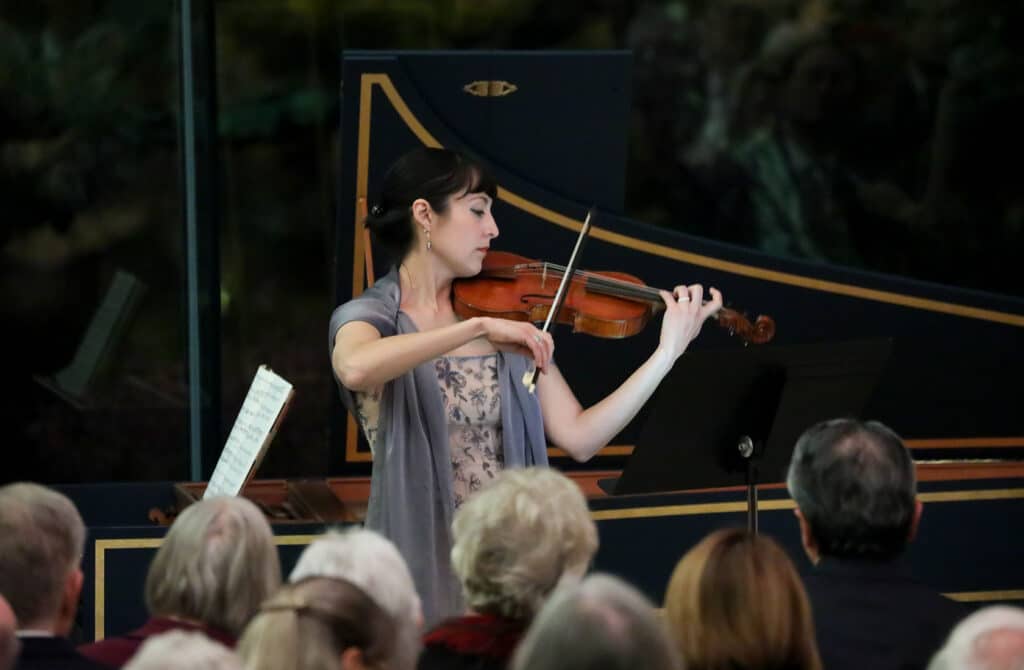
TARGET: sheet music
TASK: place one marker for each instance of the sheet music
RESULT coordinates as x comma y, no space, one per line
263,403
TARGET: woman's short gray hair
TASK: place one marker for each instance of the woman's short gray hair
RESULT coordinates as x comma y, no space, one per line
515,539
217,564
183,650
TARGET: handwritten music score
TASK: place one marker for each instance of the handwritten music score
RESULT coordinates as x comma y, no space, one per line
264,406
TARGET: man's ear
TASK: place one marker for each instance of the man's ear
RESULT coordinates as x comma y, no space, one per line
807,538
352,659
918,509
69,602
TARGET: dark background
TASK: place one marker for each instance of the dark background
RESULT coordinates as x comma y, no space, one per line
897,124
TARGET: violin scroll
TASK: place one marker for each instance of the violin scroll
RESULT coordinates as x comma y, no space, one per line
760,331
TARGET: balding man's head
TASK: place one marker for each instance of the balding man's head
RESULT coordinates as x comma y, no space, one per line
990,639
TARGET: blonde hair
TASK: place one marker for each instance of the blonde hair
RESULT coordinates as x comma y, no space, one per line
371,562
217,564
308,624
42,538
515,539
735,600
183,650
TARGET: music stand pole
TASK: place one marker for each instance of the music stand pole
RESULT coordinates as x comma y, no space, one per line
746,449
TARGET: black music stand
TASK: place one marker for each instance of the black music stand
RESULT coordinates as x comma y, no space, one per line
723,418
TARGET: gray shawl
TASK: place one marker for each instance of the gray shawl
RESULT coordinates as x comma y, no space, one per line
411,484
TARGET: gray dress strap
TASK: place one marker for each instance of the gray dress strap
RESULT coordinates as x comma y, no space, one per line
411,499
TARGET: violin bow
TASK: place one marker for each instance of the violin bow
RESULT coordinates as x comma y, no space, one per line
530,378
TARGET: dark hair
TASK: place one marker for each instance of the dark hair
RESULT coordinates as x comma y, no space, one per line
432,174
855,485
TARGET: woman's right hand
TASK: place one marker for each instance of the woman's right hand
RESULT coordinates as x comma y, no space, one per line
520,337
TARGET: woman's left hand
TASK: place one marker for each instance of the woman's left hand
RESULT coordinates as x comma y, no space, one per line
685,313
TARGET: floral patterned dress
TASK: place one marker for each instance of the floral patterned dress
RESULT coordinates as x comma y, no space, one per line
469,386
472,401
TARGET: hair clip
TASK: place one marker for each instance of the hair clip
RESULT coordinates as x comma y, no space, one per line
377,210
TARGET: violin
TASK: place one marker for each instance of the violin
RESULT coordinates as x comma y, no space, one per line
603,304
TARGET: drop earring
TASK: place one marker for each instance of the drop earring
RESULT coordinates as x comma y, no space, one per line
428,238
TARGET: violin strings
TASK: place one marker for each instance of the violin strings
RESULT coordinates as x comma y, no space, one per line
608,285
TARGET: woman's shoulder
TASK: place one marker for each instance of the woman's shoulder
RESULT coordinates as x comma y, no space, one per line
377,305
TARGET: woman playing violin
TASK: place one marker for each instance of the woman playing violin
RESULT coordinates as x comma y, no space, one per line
441,399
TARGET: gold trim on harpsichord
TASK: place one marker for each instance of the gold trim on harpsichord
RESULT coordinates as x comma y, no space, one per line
369,80
985,596
814,284
100,567
490,89
965,443
927,443
787,504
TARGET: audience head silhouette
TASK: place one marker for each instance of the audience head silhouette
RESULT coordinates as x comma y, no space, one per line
518,537
602,623
216,565
318,623
736,601
42,538
373,563
990,639
855,490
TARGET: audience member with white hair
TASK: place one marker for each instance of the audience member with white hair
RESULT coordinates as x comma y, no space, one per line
372,562
990,639
216,565
9,644
602,623
42,538
183,650
514,542
319,623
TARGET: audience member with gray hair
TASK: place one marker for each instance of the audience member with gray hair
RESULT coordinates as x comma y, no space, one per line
990,639
855,490
371,562
319,623
514,541
183,650
601,623
42,538
9,645
216,565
